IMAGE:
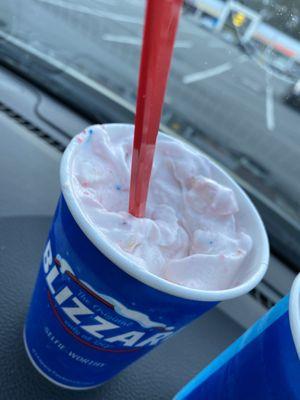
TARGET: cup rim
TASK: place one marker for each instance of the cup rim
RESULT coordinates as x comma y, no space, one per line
294,312
131,268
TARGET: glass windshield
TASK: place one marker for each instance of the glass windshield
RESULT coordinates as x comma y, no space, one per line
234,88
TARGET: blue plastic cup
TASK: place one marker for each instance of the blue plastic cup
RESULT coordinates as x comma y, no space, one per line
94,311
262,364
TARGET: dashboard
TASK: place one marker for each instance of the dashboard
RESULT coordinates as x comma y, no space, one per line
35,128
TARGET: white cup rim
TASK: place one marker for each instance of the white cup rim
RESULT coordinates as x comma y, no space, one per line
294,312
119,259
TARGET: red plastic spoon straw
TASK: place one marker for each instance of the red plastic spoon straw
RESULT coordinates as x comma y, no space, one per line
161,23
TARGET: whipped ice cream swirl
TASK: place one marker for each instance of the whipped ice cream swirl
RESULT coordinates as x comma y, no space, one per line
190,234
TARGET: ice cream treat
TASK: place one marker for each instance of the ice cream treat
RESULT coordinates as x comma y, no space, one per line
111,286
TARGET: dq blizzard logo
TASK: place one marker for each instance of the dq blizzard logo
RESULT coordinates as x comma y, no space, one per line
100,328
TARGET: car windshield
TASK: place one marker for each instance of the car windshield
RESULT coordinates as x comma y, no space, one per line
233,88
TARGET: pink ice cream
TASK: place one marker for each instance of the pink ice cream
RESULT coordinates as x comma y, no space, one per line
190,235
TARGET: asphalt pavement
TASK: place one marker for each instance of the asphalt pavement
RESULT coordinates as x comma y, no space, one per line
215,89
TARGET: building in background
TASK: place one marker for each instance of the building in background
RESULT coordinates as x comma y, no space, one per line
274,42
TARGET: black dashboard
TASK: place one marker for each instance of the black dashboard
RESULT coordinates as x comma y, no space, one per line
35,128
